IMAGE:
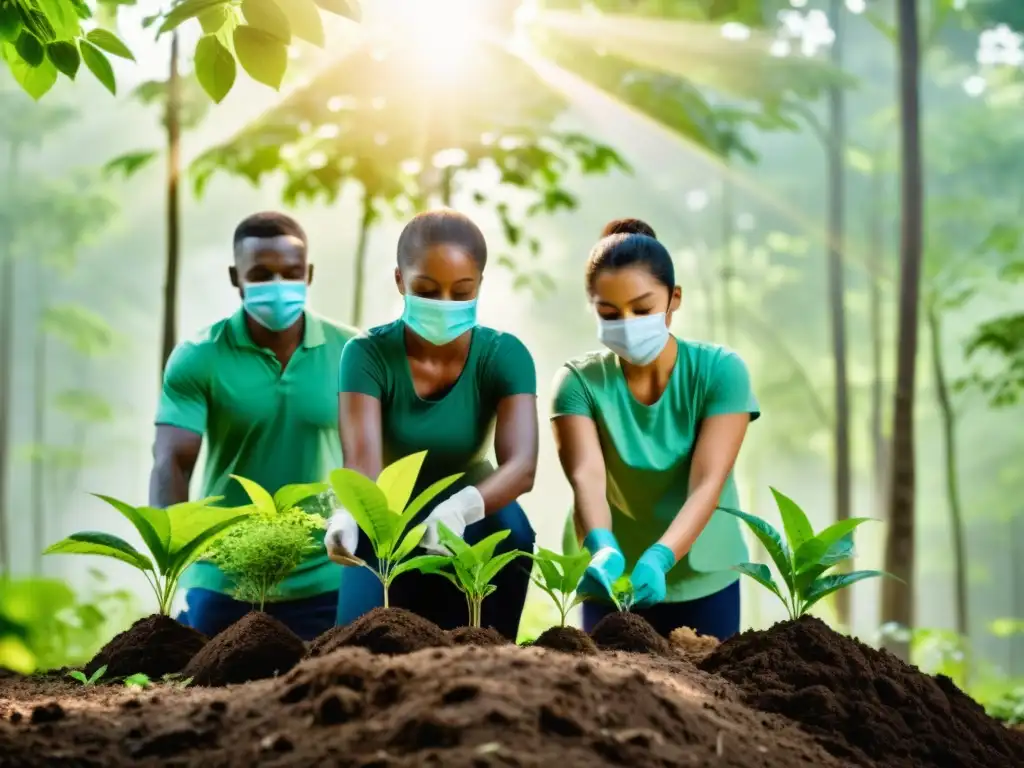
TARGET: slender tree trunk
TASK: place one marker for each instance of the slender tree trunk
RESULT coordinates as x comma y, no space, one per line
836,151
898,596
6,360
359,274
876,247
173,122
956,519
40,386
728,267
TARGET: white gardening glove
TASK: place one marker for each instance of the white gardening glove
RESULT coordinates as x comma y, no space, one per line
342,536
462,509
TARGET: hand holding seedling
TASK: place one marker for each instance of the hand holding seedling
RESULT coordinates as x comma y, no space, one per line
456,513
607,564
648,577
342,537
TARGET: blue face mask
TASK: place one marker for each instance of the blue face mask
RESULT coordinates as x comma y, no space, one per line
275,305
637,340
439,322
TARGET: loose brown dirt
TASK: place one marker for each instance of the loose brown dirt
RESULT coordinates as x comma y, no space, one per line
154,646
256,647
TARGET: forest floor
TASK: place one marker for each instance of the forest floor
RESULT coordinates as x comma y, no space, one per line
392,690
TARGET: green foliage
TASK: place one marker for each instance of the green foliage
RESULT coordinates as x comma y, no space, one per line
176,537
383,512
472,567
90,681
802,558
622,594
260,552
560,576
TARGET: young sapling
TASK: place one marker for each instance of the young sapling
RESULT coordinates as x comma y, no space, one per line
622,594
88,681
559,577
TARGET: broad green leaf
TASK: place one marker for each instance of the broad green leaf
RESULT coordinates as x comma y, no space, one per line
182,12
10,22
455,544
62,17
483,550
762,574
465,575
811,556
426,564
213,20
190,521
409,543
826,585
794,521
770,538
365,502
99,65
553,578
267,16
428,495
35,22
15,655
261,54
262,500
110,43
130,163
30,49
65,57
305,21
183,557
35,81
839,530
398,479
152,525
573,568
215,67
350,9
79,676
289,496
104,544
492,567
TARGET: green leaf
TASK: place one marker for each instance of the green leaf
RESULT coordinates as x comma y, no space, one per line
110,43
573,567
262,55
99,65
267,16
428,495
459,548
195,528
350,9
483,550
826,585
130,164
760,573
30,49
262,500
37,24
154,529
798,527
424,563
493,567
840,530
365,502
10,22
98,674
293,495
398,479
409,543
304,19
62,16
35,81
182,12
553,578
79,676
213,20
65,57
215,67
770,538
104,544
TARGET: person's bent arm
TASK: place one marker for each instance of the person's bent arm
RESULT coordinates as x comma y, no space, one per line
175,452
579,451
515,447
359,423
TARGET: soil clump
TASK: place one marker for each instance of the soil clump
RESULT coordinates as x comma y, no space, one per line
862,704
154,646
480,636
255,647
383,630
566,640
623,631
691,645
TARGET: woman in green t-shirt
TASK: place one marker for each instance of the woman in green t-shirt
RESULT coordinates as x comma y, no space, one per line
647,433
437,381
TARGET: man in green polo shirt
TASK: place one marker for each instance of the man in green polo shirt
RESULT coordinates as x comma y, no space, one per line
260,386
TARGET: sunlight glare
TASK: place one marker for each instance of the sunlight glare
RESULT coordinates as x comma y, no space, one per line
440,31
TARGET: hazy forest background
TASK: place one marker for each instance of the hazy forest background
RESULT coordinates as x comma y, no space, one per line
762,140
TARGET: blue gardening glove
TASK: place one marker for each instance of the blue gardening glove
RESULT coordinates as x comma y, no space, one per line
648,577
606,564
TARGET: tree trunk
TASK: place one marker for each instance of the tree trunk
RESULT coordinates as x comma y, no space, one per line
876,247
836,151
6,362
40,387
728,231
956,520
359,274
898,596
173,121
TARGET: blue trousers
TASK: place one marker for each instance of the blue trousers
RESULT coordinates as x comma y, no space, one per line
717,615
212,612
434,597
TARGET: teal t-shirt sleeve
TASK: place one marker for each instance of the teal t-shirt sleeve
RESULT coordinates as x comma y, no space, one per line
571,397
511,370
184,396
361,369
729,390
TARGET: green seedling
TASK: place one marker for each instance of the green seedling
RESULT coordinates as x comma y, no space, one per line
88,681
622,594
260,552
472,567
175,680
383,512
560,576
138,680
176,537
802,558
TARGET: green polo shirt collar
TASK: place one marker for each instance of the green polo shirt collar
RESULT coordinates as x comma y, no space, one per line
313,335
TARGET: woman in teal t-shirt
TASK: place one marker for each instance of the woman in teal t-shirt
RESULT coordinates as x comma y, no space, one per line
437,381
647,433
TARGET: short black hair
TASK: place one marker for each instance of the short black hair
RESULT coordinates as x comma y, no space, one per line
441,227
269,224
628,227
630,250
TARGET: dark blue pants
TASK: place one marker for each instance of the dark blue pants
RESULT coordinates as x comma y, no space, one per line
717,614
211,612
434,597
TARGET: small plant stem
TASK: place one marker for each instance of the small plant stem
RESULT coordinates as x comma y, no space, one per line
477,604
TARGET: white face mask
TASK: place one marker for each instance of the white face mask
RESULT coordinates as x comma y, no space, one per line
637,340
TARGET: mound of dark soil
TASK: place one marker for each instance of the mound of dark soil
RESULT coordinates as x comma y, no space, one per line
566,640
255,647
481,636
863,703
628,632
383,630
155,646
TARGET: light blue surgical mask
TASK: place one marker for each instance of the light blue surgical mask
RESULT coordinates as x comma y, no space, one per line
276,305
637,340
439,322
